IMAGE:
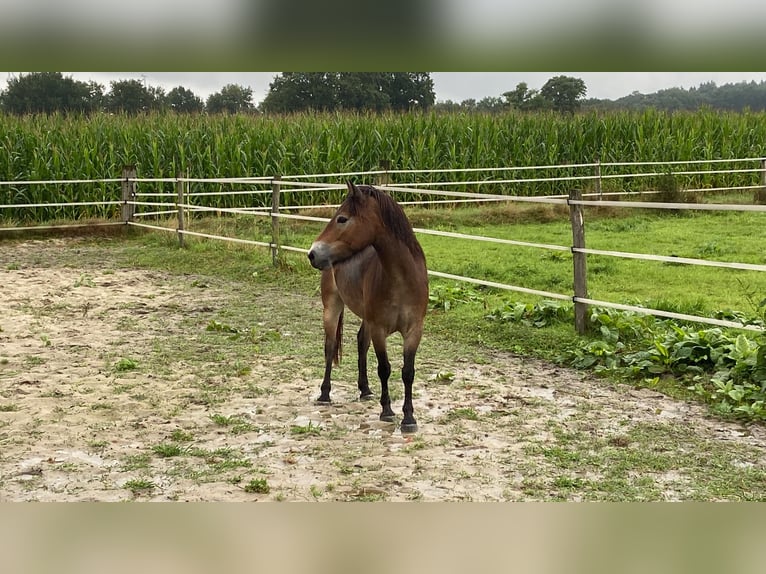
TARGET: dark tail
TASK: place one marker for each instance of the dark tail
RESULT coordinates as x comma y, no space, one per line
339,341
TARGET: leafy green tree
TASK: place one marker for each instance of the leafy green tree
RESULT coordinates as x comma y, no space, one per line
184,101
96,96
522,98
232,99
48,92
362,91
447,106
377,91
490,104
133,97
297,91
411,90
564,93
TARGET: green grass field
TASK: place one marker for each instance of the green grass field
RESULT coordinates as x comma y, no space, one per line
723,236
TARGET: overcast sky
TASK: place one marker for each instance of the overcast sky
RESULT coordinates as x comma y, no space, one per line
456,86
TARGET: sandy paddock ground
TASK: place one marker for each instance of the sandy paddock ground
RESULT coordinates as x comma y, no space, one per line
79,422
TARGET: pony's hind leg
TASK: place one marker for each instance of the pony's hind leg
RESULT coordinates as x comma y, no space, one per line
363,345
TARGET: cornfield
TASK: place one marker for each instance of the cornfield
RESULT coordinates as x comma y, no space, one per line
70,147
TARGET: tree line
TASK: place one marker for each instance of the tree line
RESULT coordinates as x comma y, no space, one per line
289,92
736,97
49,92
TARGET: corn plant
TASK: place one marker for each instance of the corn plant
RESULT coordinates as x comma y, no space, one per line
58,146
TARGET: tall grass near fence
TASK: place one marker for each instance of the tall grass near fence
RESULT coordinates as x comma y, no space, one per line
70,147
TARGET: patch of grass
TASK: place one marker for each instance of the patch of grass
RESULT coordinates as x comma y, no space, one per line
649,462
258,486
85,280
461,413
305,430
139,486
34,361
8,408
344,468
568,483
124,388
369,495
417,443
316,492
562,457
180,435
242,369
217,327
136,462
213,456
102,406
237,424
124,365
167,450
230,464
253,391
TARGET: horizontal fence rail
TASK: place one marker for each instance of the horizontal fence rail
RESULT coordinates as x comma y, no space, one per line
140,203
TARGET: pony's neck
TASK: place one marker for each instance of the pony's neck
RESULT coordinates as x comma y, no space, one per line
395,255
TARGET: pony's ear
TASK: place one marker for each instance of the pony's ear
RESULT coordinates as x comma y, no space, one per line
353,190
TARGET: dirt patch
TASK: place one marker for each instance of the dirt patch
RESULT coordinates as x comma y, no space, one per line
122,383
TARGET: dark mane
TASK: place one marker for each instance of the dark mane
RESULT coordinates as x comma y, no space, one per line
393,217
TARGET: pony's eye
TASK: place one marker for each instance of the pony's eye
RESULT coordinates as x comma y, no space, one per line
342,219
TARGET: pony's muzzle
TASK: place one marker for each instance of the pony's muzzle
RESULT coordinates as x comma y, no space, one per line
319,256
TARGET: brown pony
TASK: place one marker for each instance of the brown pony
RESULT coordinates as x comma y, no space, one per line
372,263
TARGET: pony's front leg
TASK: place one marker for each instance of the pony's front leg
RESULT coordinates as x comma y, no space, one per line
408,377
330,348
384,372
333,336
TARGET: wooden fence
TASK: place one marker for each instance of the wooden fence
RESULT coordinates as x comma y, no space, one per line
183,200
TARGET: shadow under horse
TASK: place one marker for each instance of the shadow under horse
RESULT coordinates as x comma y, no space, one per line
372,263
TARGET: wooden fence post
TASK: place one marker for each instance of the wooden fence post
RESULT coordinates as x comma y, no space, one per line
180,202
760,194
275,185
384,179
128,192
598,178
579,260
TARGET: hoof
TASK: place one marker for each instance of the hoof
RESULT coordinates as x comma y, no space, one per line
387,418
323,401
408,428
366,396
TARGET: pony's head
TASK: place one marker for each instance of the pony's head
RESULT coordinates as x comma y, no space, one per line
353,227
